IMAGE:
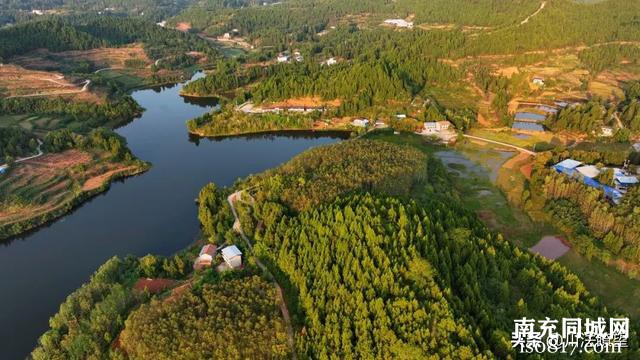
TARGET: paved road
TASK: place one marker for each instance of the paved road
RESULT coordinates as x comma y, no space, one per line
501,143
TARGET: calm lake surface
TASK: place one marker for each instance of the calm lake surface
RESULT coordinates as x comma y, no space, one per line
151,213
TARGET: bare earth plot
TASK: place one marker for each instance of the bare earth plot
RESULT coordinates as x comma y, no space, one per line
551,247
16,81
100,58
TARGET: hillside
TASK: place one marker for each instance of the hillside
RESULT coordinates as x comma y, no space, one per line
365,274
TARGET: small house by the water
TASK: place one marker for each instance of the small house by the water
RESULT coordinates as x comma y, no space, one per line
232,256
441,129
206,256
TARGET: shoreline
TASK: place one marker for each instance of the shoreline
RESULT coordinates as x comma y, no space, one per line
12,231
336,131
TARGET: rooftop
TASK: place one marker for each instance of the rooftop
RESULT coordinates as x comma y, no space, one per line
569,164
589,171
231,251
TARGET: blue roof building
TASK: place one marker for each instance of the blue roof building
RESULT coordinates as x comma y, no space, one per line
567,166
527,116
527,126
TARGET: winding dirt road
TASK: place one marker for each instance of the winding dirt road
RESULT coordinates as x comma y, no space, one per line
237,196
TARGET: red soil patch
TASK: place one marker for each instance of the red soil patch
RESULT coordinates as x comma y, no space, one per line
304,102
153,286
526,170
61,160
97,181
516,160
183,26
178,291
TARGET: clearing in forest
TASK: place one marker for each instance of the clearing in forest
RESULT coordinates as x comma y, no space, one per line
551,247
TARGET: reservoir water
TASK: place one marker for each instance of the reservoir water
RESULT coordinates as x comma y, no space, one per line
151,213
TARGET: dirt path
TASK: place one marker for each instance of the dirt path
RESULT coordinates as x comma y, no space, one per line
84,88
501,143
544,3
237,196
40,153
516,160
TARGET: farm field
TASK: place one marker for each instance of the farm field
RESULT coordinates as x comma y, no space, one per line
17,81
50,184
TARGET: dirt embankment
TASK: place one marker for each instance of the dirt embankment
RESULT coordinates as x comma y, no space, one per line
98,181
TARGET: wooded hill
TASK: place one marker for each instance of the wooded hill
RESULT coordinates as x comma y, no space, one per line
367,274
82,32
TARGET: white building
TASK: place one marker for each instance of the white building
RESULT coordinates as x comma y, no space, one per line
331,61
232,256
589,171
360,122
401,116
440,129
282,58
297,56
162,23
606,131
399,23
380,124
538,81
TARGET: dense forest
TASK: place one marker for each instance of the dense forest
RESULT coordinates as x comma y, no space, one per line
84,32
230,123
99,139
92,317
233,319
631,106
408,278
400,278
20,10
585,118
77,116
16,142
